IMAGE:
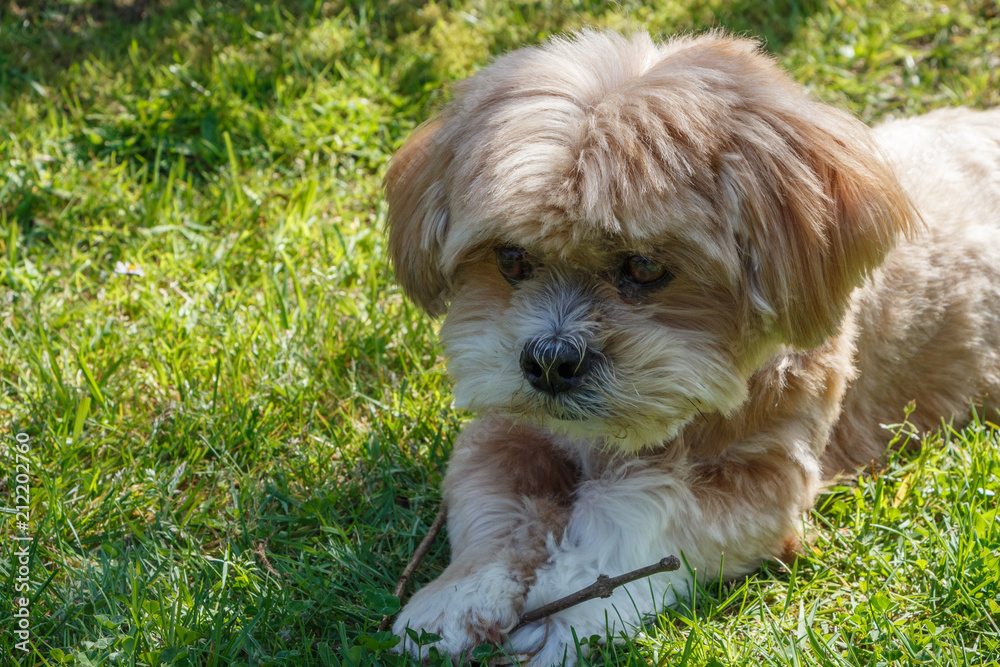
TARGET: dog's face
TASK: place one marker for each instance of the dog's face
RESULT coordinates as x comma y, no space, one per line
622,233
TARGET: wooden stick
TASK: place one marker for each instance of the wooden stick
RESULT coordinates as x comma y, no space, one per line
418,555
603,588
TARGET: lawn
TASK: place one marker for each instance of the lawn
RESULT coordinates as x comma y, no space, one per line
225,425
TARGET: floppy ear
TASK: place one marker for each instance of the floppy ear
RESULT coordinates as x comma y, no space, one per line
819,209
418,217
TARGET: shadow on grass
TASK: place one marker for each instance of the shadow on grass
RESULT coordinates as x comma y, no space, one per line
165,56
774,22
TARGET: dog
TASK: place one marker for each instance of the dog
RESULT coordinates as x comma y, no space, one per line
681,295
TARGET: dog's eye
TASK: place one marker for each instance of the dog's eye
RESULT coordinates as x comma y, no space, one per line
513,264
644,271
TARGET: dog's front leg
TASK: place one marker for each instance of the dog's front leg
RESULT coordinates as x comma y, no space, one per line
721,517
507,491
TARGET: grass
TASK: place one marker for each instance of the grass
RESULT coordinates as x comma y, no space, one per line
230,457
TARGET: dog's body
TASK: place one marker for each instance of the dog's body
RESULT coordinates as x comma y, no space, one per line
673,298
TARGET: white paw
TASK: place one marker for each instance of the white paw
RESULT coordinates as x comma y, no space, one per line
548,643
463,611
553,642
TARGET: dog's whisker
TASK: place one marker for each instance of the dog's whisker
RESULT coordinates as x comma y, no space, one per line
698,410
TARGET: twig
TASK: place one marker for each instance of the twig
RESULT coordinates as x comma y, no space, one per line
418,555
603,588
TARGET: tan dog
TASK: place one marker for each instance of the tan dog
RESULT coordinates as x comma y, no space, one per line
672,296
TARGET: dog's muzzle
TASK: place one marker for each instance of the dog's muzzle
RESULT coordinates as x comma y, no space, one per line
555,366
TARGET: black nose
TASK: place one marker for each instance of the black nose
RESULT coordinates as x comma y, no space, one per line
554,366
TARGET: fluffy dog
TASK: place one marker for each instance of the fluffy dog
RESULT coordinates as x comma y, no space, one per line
681,295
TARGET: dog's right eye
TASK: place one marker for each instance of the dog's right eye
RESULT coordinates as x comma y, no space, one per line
644,272
513,264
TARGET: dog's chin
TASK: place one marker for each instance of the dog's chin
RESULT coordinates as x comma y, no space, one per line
554,409
621,435
582,418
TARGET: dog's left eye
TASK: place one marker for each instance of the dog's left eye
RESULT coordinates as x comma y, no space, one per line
513,264
644,271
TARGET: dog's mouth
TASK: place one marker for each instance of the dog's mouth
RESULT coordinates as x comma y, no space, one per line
598,408
582,406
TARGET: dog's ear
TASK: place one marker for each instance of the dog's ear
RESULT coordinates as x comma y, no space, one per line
418,218
819,209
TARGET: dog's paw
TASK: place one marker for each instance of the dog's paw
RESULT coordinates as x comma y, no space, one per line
463,611
546,643
554,640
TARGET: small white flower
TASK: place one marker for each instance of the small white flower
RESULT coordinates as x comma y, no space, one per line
129,269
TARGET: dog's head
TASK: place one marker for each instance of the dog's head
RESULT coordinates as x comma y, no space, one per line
622,232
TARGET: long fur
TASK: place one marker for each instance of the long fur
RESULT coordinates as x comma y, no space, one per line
716,405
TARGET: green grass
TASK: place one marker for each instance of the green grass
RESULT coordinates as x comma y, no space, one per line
233,456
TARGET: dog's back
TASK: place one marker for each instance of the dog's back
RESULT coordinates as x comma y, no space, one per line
929,319
949,163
